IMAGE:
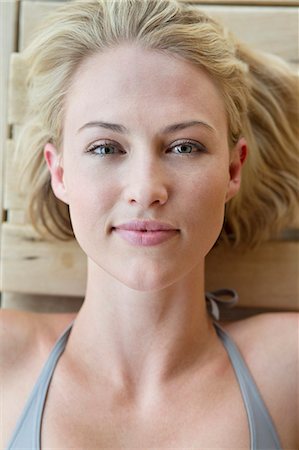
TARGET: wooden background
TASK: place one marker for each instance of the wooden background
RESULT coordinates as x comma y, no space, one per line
50,276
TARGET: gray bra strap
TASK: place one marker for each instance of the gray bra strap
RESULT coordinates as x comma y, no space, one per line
214,299
45,378
262,430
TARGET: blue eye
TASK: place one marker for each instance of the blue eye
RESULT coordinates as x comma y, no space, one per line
103,149
187,147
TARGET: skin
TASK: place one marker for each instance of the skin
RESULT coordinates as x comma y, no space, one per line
144,321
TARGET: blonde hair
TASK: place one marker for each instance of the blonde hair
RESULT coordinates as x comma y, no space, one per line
258,92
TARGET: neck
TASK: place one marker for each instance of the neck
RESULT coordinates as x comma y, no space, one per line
141,341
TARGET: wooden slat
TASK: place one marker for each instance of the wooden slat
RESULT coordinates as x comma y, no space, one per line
32,265
266,277
8,33
270,29
17,90
13,198
40,303
31,14
16,216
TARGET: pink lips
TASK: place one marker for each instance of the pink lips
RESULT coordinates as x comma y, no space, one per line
145,233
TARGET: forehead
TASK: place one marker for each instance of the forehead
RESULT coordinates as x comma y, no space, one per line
128,81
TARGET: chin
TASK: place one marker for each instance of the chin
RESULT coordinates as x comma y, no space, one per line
143,278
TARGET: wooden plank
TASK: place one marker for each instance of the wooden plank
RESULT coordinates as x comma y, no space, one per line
17,90
265,278
41,303
269,29
16,216
8,41
13,197
32,265
31,14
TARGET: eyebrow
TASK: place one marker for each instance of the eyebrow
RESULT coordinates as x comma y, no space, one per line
167,130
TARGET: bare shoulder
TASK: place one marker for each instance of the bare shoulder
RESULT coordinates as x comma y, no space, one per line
269,344
275,326
26,339
21,330
274,333
17,329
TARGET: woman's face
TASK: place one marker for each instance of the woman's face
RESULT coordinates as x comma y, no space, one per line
145,167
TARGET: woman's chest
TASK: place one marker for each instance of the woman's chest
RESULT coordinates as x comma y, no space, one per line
159,432
214,418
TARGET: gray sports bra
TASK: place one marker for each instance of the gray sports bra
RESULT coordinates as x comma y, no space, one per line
262,431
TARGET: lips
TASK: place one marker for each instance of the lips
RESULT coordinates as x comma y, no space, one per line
145,225
145,233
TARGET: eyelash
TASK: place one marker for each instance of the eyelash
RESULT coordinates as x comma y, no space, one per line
198,146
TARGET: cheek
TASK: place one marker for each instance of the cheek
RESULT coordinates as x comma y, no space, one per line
209,188
207,205
90,199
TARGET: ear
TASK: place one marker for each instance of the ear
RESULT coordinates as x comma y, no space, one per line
237,158
54,162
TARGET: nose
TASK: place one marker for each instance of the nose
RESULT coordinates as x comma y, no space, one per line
146,183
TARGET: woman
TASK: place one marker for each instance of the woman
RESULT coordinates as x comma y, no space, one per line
141,118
